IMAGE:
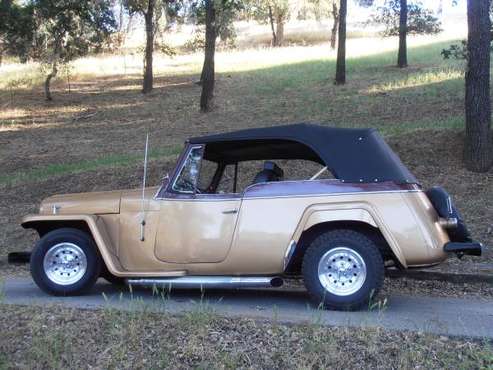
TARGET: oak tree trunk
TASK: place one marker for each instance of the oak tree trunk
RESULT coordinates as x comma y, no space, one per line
50,76
271,21
280,31
341,47
335,25
210,49
149,25
478,145
402,54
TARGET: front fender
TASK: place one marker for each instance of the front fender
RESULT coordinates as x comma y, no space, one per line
95,225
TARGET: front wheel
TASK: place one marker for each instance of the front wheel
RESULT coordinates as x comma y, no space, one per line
342,269
65,262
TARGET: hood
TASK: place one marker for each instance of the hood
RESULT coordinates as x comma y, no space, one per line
87,203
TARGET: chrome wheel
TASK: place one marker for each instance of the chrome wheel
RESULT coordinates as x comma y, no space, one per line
342,271
65,263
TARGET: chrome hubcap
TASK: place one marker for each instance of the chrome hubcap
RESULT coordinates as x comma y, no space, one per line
65,263
342,271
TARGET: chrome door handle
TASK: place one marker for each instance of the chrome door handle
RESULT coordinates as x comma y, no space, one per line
230,212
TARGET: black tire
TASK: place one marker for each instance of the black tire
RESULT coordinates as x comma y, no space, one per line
81,240
357,242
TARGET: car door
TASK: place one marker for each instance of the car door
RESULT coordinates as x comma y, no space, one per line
194,227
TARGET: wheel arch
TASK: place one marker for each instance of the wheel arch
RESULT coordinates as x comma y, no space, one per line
308,235
93,225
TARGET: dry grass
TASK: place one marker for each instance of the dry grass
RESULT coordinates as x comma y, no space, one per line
52,337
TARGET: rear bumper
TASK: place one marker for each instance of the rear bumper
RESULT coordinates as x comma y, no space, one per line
470,248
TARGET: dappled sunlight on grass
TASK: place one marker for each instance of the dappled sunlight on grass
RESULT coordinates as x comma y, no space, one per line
33,116
29,75
419,79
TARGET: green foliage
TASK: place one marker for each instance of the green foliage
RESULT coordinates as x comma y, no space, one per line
459,51
226,13
317,9
16,28
166,13
67,29
196,42
456,51
420,21
260,10
55,30
166,49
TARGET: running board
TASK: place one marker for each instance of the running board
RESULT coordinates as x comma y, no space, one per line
210,282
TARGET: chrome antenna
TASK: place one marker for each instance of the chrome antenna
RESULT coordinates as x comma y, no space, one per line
143,222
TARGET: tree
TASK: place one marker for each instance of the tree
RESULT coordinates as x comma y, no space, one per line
147,8
478,144
459,51
341,47
16,29
324,9
335,25
208,73
124,22
225,13
401,18
66,29
216,14
275,13
152,11
148,78
402,53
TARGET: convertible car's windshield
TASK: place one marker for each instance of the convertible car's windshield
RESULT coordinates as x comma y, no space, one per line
205,171
199,175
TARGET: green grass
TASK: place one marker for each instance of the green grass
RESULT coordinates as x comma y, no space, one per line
109,161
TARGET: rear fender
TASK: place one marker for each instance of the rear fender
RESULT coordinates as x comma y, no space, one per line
346,212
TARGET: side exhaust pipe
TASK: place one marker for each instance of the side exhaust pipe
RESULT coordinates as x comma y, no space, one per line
215,282
19,257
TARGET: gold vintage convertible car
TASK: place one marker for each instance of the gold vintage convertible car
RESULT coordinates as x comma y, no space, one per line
214,223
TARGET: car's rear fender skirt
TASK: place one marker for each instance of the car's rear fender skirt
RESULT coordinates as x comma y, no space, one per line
349,215
91,224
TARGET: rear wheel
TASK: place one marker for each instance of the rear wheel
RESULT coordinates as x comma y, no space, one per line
342,269
65,262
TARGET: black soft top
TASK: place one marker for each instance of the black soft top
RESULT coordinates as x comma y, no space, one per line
352,155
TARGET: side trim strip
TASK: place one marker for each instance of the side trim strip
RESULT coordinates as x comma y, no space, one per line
248,197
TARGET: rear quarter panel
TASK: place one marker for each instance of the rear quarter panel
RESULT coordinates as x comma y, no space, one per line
267,224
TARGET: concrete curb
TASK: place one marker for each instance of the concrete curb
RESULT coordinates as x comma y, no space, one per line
440,276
